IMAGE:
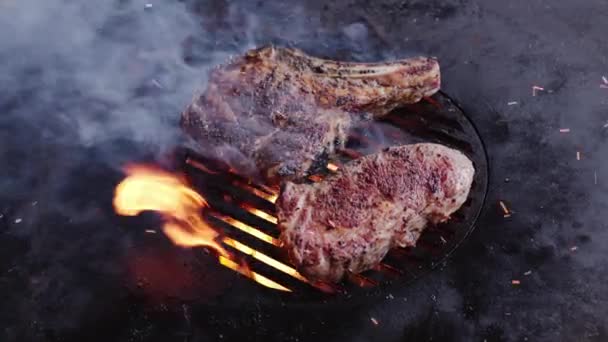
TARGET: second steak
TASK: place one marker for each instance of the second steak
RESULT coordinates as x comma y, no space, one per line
349,221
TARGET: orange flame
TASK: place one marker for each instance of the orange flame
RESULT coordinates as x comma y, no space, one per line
148,188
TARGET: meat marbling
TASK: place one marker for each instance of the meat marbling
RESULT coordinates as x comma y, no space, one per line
276,111
350,220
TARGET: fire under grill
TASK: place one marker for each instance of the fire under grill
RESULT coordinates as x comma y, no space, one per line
245,216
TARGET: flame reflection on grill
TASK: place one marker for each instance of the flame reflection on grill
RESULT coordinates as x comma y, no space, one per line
268,194
261,214
258,278
264,258
248,229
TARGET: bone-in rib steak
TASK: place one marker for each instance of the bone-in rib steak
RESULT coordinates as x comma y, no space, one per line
275,111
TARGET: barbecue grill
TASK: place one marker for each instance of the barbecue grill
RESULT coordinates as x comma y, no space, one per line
89,86
244,211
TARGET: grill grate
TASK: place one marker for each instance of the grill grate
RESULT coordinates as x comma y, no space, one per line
245,212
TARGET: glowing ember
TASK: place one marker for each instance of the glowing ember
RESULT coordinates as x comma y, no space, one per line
147,188
504,208
315,178
332,167
535,89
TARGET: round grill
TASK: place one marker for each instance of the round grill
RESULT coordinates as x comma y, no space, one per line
245,211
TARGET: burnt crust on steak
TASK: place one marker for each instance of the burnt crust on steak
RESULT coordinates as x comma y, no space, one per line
273,111
349,221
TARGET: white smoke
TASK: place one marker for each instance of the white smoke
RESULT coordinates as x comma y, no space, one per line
87,72
102,69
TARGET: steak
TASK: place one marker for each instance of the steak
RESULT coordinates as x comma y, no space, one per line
274,112
349,221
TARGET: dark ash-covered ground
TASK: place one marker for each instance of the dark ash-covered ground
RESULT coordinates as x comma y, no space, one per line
88,86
